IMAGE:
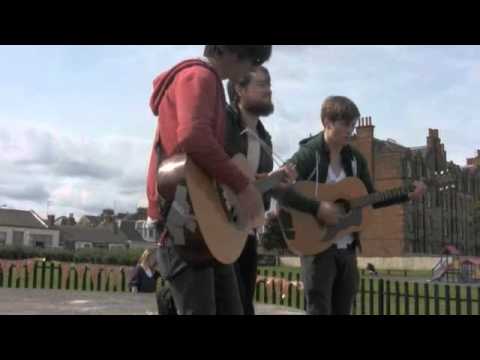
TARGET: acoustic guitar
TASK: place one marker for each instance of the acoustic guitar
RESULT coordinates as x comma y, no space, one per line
309,236
205,220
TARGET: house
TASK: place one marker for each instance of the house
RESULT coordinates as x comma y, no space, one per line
79,237
27,228
135,239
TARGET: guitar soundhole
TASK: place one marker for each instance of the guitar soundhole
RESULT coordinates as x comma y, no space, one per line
343,206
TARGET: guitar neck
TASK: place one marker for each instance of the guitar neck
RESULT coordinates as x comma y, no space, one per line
379,197
269,182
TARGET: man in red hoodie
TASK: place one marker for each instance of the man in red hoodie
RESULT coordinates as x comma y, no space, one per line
189,101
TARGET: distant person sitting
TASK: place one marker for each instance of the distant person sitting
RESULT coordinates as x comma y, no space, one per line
144,280
371,270
144,276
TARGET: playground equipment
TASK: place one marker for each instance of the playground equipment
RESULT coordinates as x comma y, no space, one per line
454,268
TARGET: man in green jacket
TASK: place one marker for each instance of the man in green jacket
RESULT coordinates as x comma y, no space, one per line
331,278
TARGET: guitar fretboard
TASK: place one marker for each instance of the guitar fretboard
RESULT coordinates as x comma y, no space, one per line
380,197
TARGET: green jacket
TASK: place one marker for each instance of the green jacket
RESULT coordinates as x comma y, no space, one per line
306,158
353,162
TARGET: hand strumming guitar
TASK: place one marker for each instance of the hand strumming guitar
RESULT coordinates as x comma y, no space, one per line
328,213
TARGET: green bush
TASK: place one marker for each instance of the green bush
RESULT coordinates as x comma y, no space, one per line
91,256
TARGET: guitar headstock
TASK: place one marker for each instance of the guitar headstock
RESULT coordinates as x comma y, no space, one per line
441,179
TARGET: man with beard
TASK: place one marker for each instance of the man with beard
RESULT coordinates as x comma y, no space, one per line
250,98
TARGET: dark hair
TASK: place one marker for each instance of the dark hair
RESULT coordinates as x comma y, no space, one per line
243,83
258,54
337,108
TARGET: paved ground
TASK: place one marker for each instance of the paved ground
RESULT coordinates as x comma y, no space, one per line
59,302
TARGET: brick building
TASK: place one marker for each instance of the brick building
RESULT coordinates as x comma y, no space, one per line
445,216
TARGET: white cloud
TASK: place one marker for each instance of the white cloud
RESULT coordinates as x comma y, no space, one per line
74,174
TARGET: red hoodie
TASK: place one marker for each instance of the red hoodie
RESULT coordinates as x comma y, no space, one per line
189,101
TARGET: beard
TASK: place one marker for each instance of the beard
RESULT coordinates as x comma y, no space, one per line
259,108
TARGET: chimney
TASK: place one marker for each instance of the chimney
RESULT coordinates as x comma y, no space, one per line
71,220
364,142
107,216
51,221
365,128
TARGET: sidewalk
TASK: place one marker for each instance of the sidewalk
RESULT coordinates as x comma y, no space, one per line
61,302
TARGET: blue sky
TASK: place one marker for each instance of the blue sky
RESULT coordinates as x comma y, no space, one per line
75,127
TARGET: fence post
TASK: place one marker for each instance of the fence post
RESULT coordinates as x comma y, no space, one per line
17,278
10,276
35,269
436,299
362,296
469,300
406,297
84,278
107,285
458,300
371,297
297,293
388,298
289,300
60,277
397,298
274,290
99,280
447,299
27,278
265,292
52,268
281,288
122,279
416,299
380,298
426,290
42,279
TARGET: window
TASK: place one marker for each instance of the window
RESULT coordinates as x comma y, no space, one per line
139,226
409,169
18,238
41,241
3,238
